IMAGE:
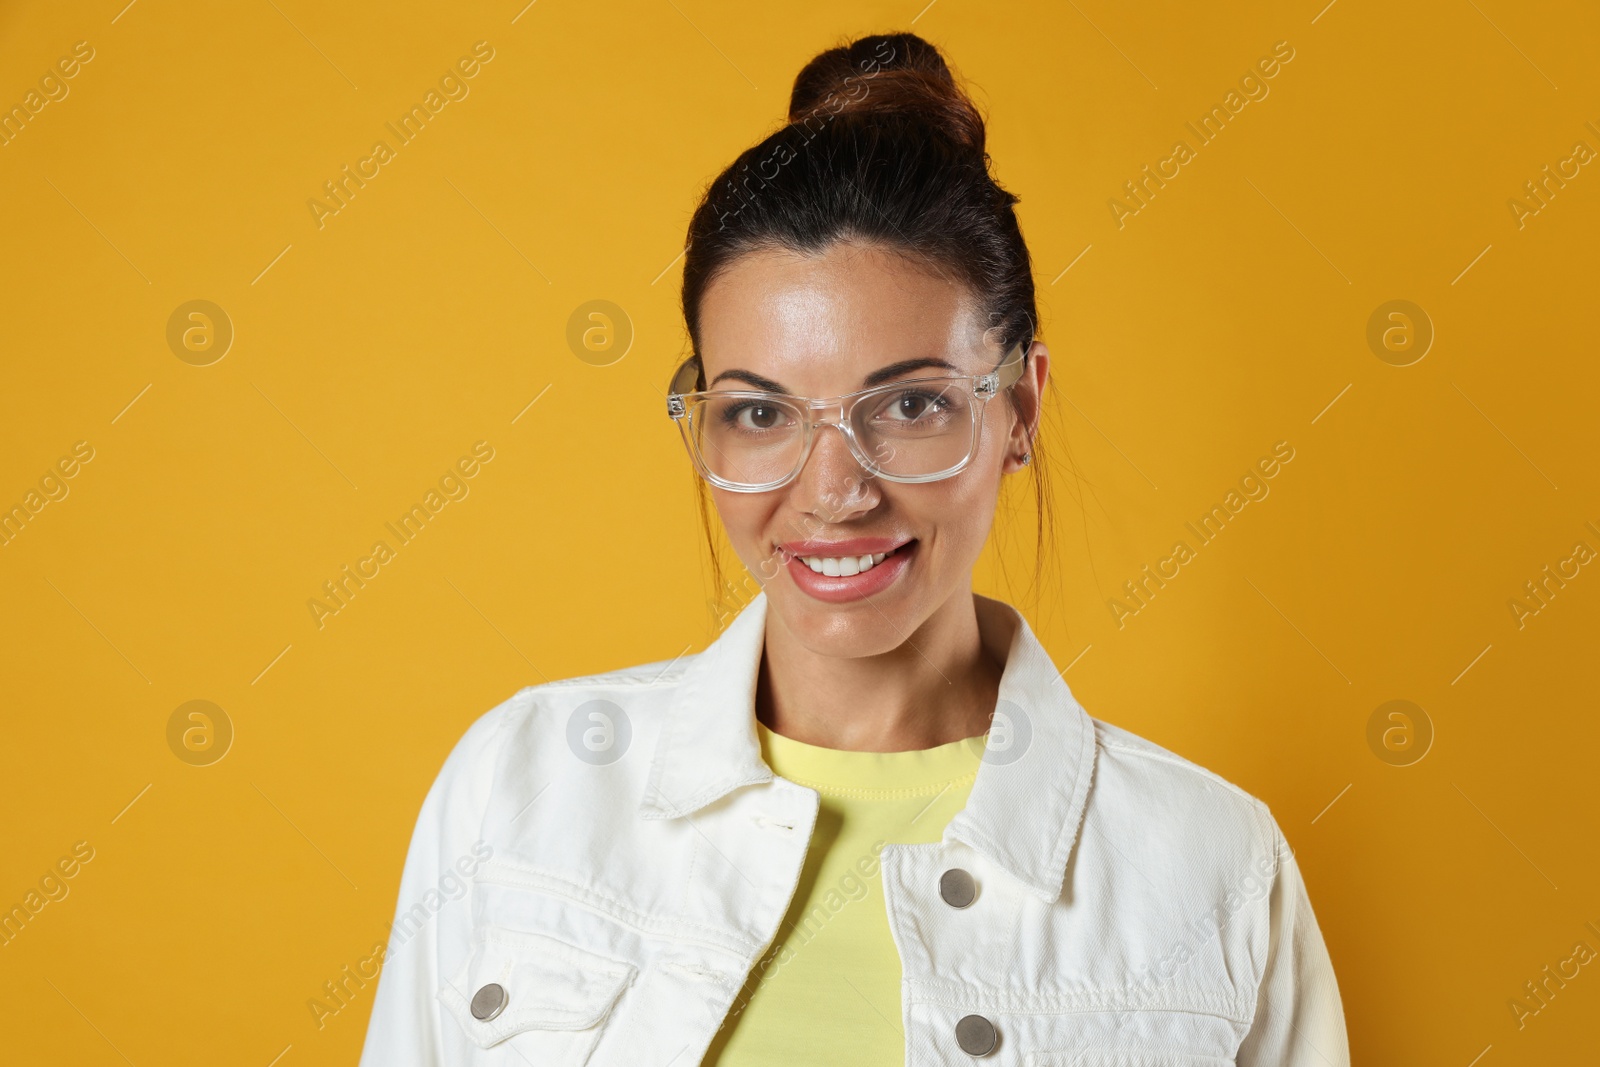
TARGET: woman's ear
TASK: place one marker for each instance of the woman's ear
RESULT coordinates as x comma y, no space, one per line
1028,395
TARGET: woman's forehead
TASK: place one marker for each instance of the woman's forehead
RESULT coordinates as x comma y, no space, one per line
833,316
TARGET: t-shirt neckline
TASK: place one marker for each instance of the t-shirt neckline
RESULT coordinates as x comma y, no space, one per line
871,774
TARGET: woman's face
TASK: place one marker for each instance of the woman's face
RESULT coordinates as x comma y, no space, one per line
819,326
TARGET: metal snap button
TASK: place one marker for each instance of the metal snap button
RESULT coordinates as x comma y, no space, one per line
957,887
976,1035
490,1001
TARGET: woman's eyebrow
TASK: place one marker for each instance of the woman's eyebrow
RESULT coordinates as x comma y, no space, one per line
749,378
894,370
877,377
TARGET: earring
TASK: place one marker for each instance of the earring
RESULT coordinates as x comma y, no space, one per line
1027,458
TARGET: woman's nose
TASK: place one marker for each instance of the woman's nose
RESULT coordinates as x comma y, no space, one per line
832,484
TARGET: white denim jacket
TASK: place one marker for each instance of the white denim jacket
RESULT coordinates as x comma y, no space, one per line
602,861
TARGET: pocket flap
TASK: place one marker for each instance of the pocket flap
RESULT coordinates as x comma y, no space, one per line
545,984
1114,1057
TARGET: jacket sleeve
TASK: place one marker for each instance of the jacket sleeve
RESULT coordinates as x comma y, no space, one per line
433,919
1299,1018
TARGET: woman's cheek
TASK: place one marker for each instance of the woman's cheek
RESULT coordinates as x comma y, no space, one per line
748,519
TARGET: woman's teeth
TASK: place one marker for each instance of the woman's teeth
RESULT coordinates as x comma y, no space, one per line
843,566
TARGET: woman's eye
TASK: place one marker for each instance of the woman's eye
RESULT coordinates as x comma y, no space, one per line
913,406
759,417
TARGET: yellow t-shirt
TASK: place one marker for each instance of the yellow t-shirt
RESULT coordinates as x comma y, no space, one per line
828,991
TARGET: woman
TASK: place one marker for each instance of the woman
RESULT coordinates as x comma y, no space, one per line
869,824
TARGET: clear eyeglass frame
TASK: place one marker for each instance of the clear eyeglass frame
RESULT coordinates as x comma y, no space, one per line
836,411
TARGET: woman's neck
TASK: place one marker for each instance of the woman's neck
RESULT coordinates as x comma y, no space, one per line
938,686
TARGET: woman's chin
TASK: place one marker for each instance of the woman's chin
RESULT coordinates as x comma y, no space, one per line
850,630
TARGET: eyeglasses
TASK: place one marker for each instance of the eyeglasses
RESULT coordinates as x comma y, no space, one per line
916,430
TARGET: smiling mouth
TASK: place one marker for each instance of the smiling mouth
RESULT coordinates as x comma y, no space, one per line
848,570
846,566
837,564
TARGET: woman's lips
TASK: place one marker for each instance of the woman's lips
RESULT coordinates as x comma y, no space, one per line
843,588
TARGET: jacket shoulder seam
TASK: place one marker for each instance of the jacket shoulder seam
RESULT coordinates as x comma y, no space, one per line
630,678
1174,760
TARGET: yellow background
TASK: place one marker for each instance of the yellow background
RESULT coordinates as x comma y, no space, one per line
370,354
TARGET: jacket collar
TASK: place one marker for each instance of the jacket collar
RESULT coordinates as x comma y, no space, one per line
1024,810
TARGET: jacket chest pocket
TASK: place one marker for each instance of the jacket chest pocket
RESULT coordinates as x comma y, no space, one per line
545,998
1106,1057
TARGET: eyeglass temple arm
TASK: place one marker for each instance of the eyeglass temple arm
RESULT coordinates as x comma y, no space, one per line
686,379
1004,375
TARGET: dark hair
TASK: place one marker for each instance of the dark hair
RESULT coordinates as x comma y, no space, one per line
881,145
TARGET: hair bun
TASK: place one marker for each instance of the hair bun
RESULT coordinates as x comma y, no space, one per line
886,74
